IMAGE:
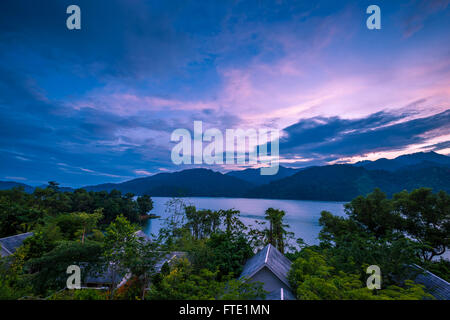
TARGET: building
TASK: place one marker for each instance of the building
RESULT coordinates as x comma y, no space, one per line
434,285
170,258
270,267
9,245
104,279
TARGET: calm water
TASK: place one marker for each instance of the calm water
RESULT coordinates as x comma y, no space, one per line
302,216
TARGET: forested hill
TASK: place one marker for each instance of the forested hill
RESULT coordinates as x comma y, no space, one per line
6,185
332,182
193,183
254,176
344,182
417,160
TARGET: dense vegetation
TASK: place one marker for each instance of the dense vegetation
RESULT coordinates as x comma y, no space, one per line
97,230
345,182
103,238
411,228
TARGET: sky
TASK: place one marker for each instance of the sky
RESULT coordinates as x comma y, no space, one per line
99,104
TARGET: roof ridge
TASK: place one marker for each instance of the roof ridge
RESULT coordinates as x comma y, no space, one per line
267,254
443,280
6,249
16,235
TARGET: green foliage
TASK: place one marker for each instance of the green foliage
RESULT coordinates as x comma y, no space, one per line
78,225
313,278
182,283
88,294
96,230
17,214
374,213
222,252
173,229
79,294
49,270
238,289
277,233
120,244
393,255
335,228
145,204
231,221
14,283
22,212
44,240
201,223
421,216
124,252
441,268
426,219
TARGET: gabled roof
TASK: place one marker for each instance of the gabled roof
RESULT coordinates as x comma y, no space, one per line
436,286
271,258
10,244
4,252
104,277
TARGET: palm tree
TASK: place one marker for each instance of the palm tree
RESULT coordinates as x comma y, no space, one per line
277,230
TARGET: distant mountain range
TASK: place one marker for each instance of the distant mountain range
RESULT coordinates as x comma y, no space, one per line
416,160
192,182
5,185
340,182
254,176
343,182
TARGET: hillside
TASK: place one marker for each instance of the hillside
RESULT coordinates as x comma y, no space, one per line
5,185
192,182
418,160
344,182
254,176
333,182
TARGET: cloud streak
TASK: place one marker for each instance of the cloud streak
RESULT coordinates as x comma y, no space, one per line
107,98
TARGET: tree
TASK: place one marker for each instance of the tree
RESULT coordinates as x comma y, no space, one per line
351,248
231,221
172,229
44,239
239,289
14,282
145,204
49,270
222,252
420,215
121,245
313,278
18,212
277,234
142,263
182,283
374,213
89,222
201,223
426,219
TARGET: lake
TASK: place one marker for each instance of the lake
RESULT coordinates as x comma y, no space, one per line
302,216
